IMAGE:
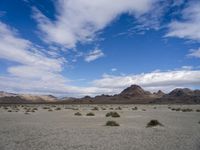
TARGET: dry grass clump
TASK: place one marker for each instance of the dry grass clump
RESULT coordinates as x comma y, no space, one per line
187,110
153,123
176,109
95,108
78,114
58,108
112,114
46,107
135,108
50,109
118,108
111,123
103,108
90,114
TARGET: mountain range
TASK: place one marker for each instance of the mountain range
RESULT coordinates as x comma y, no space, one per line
131,95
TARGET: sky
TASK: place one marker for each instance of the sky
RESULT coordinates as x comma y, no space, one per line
84,47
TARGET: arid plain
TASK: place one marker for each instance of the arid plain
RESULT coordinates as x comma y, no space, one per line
67,127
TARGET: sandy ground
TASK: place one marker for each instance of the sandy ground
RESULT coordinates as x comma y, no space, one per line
62,130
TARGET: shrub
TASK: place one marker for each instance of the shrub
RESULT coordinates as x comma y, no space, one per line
176,109
58,108
46,108
9,110
187,110
90,114
78,114
50,109
143,109
95,108
154,123
118,108
135,108
198,110
112,114
111,123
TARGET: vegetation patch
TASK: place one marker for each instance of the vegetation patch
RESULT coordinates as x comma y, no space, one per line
95,108
78,114
135,108
111,123
153,123
58,108
112,114
187,110
90,114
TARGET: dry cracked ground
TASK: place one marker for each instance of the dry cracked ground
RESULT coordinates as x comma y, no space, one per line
56,127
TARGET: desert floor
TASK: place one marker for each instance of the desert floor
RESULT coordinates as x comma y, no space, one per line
55,127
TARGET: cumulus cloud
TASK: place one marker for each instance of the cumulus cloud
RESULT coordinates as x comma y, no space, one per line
153,80
188,28
93,55
194,53
33,70
80,20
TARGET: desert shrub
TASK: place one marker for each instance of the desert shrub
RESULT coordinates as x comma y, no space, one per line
90,114
78,114
143,109
58,108
50,109
176,109
95,108
135,108
111,108
34,109
198,110
153,123
112,114
46,108
118,108
9,110
111,123
103,108
154,108
187,110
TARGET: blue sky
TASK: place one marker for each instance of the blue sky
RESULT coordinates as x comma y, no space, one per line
83,47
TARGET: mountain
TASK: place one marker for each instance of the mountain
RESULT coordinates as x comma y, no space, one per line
25,98
184,95
131,95
135,91
136,95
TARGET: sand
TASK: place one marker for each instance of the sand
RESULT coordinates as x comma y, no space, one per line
62,130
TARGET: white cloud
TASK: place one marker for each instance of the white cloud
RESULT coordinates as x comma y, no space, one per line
93,55
188,28
34,71
114,69
80,20
154,80
194,53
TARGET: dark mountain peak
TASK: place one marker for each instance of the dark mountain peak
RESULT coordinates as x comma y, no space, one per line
159,93
181,92
134,90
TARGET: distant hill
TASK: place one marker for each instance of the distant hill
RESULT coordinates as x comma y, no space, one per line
25,98
131,95
136,95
